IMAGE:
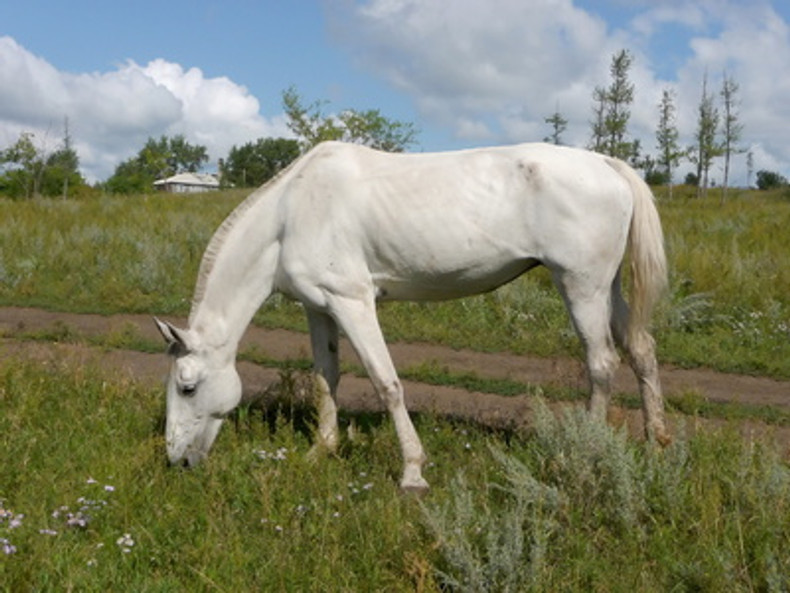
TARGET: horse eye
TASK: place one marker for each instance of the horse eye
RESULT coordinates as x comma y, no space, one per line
188,390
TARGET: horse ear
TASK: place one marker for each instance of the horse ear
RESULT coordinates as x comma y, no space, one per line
172,335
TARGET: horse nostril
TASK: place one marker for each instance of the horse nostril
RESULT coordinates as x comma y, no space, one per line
185,463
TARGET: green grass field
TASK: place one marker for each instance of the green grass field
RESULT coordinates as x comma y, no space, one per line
87,502
728,307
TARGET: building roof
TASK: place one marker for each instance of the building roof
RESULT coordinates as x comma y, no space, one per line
196,179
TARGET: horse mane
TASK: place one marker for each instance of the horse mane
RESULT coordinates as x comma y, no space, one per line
221,234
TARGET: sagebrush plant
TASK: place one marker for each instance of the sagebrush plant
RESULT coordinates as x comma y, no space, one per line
580,507
592,463
491,546
89,503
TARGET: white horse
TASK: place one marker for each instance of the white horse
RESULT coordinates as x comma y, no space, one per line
346,226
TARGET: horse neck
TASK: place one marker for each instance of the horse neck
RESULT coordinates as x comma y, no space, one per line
240,277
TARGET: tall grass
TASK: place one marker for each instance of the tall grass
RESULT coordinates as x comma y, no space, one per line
579,508
88,503
107,254
728,305
730,283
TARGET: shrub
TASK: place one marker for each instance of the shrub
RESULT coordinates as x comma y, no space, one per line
580,507
770,180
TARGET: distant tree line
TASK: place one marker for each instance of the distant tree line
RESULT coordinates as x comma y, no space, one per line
29,168
717,134
158,159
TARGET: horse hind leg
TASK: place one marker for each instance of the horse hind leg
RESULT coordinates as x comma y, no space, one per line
589,308
640,350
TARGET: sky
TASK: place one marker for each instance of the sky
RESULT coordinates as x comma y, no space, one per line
467,73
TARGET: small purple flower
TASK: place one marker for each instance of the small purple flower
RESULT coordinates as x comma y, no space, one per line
7,547
16,521
57,512
77,520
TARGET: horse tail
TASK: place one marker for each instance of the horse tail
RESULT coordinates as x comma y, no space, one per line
648,258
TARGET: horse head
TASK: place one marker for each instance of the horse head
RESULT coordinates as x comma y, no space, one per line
202,388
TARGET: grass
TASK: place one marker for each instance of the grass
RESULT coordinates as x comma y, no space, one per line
105,255
728,306
89,504
579,508
430,372
258,516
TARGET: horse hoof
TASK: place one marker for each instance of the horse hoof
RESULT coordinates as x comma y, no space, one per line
664,439
419,487
321,450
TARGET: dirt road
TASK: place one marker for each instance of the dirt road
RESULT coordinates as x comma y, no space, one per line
356,392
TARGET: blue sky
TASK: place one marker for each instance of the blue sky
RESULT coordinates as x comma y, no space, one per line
466,72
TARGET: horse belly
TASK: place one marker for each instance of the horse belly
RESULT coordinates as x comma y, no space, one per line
448,277
448,252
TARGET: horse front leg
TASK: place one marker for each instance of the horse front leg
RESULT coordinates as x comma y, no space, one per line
325,344
359,321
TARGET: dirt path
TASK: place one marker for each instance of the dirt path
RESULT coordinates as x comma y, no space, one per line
356,393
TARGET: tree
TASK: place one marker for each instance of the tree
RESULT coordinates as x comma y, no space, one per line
619,96
731,128
30,169
706,148
24,166
610,128
181,156
749,168
558,125
669,152
158,159
598,140
254,163
654,175
369,127
770,180
372,129
61,173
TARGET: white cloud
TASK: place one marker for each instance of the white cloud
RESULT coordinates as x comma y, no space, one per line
111,114
492,71
466,61
752,44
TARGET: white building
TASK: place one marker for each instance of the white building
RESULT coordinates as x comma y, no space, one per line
188,183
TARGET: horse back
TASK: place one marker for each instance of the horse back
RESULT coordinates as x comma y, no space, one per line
441,225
